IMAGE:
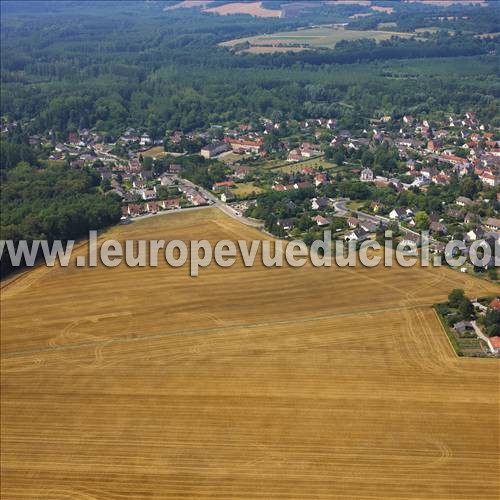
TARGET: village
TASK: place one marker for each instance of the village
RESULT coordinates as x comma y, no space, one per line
301,178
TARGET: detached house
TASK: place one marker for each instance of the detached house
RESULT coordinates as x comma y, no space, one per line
148,194
356,235
294,155
286,224
302,185
221,186
438,227
476,234
166,180
170,204
369,226
397,213
134,209
366,175
492,224
152,207
320,179
463,201
352,222
489,178
321,221
321,202
227,196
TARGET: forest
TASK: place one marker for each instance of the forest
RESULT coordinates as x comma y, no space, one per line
52,203
112,65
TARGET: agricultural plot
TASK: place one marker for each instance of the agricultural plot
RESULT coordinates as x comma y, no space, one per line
314,163
241,383
317,37
246,188
156,152
252,8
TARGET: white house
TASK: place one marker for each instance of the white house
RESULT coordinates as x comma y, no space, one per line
317,203
475,234
488,178
366,175
145,140
397,213
148,194
356,235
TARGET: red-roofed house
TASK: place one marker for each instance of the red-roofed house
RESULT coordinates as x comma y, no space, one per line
152,207
302,185
320,179
495,303
135,209
245,145
294,155
495,344
222,185
488,178
170,204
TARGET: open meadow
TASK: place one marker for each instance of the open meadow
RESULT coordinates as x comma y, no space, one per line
240,383
156,152
316,37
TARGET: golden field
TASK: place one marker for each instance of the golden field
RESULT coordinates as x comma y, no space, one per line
253,9
240,383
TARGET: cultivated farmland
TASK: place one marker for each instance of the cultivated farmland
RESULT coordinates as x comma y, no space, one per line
241,383
308,38
253,8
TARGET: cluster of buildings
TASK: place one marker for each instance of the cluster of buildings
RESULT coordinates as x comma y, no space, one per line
428,153
474,328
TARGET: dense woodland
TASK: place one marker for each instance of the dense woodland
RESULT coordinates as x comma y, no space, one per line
51,203
110,66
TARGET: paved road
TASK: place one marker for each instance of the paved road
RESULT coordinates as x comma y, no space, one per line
170,212
214,202
343,210
223,207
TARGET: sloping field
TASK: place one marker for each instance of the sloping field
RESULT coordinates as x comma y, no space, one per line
241,383
317,37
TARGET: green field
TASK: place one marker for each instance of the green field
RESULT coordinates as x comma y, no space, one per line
318,162
156,152
244,189
317,37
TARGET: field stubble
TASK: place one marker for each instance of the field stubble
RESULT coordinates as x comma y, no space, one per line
241,383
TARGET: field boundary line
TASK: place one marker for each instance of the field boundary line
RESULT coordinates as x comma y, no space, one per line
445,333
122,340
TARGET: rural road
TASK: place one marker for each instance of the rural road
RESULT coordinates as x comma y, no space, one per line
482,336
223,207
214,202
169,212
343,210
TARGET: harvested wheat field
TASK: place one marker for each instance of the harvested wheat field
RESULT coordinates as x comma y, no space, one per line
253,8
241,383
